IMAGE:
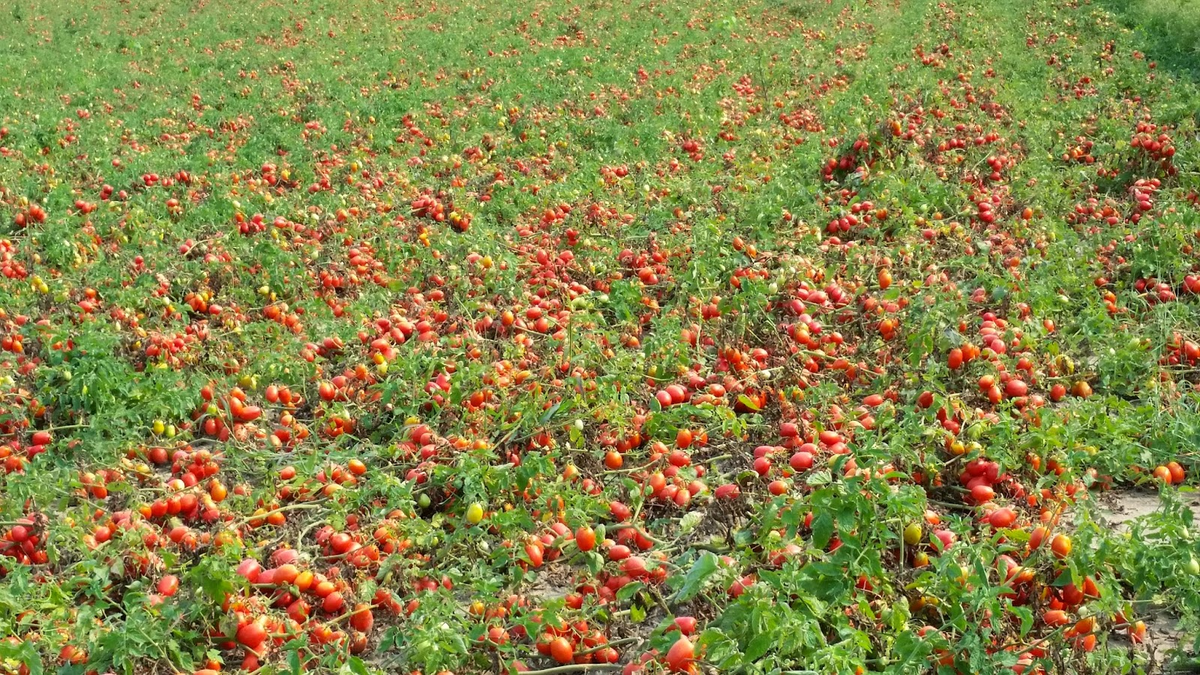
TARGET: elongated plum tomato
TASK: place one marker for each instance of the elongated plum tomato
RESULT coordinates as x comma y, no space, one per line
681,655
362,619
685,624
249,569
1003,518
585,538
561,650
1014,388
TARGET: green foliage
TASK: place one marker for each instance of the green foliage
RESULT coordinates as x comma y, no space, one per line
632,198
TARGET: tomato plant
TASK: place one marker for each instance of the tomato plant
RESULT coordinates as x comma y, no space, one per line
588,337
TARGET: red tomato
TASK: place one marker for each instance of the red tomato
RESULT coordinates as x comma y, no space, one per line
252,634
585,538
561,650
168,585
681,655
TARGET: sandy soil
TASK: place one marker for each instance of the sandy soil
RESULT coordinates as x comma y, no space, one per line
1117,509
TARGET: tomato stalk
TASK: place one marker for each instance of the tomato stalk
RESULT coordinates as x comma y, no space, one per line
577,668
614,643
282,509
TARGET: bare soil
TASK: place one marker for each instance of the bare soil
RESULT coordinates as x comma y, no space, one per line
1117,509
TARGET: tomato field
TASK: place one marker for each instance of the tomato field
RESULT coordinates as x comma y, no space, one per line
776,336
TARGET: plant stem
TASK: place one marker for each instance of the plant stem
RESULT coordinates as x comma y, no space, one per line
614,643
577,668
282,509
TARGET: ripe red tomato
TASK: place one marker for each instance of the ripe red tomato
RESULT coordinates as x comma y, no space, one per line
362,619
1055,618
1003,518
762,465
561,650
727,491
168,585
619,552
250,569
585,538
683,438
619,511
341,542
801,461
1037,536
955,359
1015,387
681,656
252,634
333,603
1177,473
533,551
685,624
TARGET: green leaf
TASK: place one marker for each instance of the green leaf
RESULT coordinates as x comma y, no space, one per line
637,614
1026,618
213,576
355,666
909,648
743,537
702,569
759,646
629,590
594,561
937,544
25,652
180,657
748,402
822,529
